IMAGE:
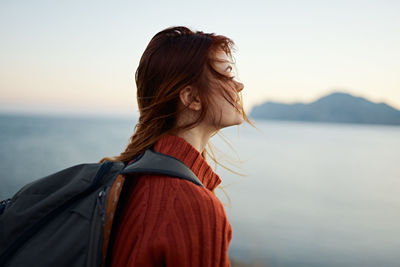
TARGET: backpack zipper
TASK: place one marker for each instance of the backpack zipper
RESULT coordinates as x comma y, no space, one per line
101,204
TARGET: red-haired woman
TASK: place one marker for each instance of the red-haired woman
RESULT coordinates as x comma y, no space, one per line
186,92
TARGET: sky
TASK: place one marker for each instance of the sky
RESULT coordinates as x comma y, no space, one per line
80,56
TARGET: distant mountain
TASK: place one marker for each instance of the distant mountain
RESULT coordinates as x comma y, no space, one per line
336,107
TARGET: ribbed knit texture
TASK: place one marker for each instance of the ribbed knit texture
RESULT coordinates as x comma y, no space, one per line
173,222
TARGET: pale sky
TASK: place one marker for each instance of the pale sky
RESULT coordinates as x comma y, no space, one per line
80,56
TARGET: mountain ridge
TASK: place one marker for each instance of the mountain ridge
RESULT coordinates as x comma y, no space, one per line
338,107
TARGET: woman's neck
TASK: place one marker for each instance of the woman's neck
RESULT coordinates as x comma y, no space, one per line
198,137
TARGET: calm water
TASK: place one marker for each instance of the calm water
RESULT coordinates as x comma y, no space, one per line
313,194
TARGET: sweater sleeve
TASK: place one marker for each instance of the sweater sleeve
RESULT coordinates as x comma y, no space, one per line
197,230
180,225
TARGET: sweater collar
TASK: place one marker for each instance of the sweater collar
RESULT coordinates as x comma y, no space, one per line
179,148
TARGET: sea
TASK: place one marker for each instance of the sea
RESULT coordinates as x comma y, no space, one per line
296,193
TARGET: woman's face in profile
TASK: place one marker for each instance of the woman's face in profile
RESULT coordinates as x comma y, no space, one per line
226,107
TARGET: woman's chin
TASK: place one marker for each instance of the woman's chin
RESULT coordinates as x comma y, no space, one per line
239,120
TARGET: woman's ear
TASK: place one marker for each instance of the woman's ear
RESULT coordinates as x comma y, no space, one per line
190,98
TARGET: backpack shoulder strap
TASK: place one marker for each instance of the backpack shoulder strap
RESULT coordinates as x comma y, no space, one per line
157,163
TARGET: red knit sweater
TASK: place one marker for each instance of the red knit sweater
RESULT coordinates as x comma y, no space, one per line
171,221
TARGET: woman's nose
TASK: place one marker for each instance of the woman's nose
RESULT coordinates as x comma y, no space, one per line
239,86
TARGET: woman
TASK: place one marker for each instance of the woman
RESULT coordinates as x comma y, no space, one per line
186,92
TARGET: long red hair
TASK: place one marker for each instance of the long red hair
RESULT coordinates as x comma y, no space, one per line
175,58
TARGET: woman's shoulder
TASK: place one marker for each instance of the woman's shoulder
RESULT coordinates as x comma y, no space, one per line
179,195
173,218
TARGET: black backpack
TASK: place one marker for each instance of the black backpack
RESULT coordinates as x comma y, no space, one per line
59,220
